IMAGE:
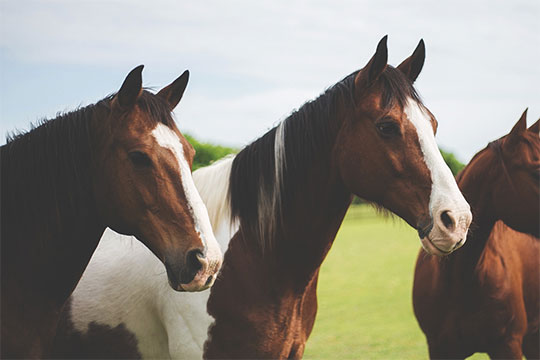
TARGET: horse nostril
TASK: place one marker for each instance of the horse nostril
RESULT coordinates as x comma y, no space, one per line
447,220
193,260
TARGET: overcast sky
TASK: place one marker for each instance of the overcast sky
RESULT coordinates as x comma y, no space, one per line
253,62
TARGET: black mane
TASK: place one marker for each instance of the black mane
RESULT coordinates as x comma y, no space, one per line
47,171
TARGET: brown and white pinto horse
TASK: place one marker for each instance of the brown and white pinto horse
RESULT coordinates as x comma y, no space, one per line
120,163
288,191
486,296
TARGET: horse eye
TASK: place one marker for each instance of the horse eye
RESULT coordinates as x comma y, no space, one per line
388,128
140,159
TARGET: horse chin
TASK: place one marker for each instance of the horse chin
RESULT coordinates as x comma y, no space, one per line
432,249
193,286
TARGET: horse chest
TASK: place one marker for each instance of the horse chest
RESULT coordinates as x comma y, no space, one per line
258,329
263,336
486,312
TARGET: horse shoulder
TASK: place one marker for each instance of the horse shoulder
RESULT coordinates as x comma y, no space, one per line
499,270
501,277
527,250
186,323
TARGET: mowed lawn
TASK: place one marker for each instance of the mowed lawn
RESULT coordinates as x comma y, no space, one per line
365,292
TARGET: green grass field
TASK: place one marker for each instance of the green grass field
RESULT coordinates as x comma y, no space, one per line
364,292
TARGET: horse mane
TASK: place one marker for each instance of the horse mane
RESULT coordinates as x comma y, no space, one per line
496,146
47,171
267,173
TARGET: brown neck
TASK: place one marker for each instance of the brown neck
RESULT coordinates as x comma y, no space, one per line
50,239
311,224
479,198
282,281
50,229
264,302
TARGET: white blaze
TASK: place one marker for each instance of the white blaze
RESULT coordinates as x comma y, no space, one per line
445,194
167,138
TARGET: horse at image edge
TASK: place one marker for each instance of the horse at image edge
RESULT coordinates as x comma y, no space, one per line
486,297
120,163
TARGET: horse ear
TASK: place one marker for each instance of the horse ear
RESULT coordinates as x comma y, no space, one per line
535,128
521,125
374,67
173,92
412,65
519,128
131,88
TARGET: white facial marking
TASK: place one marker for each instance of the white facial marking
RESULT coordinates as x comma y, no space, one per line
167,138
445,194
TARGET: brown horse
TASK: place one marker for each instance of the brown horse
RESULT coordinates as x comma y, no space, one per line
368,135
120,163
289,190
485,297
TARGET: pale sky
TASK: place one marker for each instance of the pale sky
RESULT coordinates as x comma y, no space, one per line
253,62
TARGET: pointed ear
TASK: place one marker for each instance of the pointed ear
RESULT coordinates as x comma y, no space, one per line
521,125
519,128
173,92
412,65
374,67
131,89
535,128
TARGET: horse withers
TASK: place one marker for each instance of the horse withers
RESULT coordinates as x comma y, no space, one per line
276,208
486,296
121,163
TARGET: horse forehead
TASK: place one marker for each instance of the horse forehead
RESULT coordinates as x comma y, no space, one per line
168,139
420,118
421,124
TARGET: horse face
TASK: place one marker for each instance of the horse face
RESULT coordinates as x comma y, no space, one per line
147,189
517,164
388,154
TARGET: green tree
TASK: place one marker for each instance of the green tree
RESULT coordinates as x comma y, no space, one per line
207,153
453,163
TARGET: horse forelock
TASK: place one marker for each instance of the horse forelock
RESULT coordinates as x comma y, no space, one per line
397,88
156,108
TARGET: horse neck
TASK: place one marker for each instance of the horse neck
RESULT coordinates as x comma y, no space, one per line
281,280
311,224
312,213
49,216
479,196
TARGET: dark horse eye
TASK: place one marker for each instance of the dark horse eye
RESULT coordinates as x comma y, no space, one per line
140,159
388,128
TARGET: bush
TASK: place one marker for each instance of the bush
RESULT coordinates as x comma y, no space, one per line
207,153
454,164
